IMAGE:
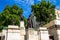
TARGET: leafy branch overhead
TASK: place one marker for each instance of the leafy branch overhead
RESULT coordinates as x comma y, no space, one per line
44,11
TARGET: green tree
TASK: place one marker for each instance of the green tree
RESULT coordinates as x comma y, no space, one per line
44,11
11,15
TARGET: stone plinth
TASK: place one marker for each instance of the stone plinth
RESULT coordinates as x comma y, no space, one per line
58,33
4,33
22,32
53,33
32,35
15,33
43,33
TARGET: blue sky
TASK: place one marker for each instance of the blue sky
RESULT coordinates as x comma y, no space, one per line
25,4
58,4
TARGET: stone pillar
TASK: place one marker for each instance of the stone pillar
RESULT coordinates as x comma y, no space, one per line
22,30
58,34
22,24
32,34
15,33
43,33
53,33
4,33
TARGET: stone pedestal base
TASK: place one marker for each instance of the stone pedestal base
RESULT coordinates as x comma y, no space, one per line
32,35
43,34
14,33
58,34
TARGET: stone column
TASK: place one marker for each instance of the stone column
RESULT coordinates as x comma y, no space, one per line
13,33
4,32
22,30
53,33
16,33
43,33
58,34
32,34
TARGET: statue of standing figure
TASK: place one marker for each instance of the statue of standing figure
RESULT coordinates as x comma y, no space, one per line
29,23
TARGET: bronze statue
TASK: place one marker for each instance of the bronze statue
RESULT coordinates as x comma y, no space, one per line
29,23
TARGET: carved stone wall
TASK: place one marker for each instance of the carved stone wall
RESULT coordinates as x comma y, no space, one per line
16,33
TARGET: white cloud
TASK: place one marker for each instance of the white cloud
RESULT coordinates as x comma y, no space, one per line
24,1
54,1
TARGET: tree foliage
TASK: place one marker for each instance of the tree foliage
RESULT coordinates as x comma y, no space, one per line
11,15
44,11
